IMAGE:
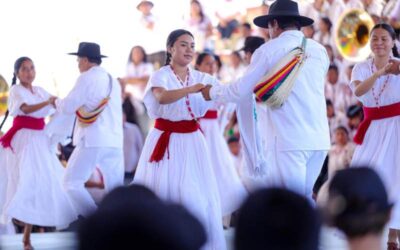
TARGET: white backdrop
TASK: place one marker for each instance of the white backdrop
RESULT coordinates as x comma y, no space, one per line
46,30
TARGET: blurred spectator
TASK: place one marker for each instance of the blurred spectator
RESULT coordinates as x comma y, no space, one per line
338,92
228,14
218,66
138,71
200,26
277,219
373,6
341,153
323,34
148,31
234,147
355,116
133,144
233,69
205,62
250,45
335,9
339,158
133,217
309,31
394,16
244,32
333,59
147,19
353,4
358,205
314,9
335,119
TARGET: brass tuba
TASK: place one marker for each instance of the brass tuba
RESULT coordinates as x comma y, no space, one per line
352,34
3,95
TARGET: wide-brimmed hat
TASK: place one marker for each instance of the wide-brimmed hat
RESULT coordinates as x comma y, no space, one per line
144,2
89,50
251,43
282,8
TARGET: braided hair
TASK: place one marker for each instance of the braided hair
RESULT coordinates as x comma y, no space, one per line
17,65
173,36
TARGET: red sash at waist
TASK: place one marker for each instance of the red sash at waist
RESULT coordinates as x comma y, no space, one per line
375,113
169,127
211,114
21,122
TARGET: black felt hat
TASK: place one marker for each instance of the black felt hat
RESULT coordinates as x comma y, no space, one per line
89,50
282,8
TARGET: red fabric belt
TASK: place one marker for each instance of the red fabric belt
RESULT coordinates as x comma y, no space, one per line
371,114
21,122
211,114
169,127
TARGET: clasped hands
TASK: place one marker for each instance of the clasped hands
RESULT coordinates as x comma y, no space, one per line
52,100
393,67
204,89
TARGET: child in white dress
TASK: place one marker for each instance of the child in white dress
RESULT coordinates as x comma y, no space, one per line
33,192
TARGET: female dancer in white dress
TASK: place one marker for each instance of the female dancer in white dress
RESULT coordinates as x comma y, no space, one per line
33,192
230,187
376,83
175,161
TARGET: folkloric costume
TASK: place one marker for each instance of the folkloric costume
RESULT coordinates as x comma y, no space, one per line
230,187
298,132
379,134
175,162
31,178
98,136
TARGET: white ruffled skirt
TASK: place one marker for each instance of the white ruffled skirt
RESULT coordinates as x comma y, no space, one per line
185,176
381,151
231,189
31,182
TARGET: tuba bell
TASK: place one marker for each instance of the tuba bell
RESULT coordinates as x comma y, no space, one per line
352,35
3,95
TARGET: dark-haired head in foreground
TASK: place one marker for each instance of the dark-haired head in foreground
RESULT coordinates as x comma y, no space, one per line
277,219
134,218
358,202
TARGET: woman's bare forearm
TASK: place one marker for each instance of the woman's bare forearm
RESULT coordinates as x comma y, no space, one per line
170,96
164,96
364,86
27,109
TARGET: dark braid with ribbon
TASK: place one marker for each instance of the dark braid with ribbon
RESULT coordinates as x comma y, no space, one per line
17,66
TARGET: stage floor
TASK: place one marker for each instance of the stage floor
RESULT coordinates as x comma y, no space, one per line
330,240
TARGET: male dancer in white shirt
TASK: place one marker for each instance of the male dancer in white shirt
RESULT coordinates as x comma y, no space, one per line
98,144
297,132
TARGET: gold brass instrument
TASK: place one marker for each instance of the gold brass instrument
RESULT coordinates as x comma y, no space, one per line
3,95
352,35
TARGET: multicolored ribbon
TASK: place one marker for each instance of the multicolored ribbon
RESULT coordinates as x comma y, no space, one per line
265,89
275,86
86,118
